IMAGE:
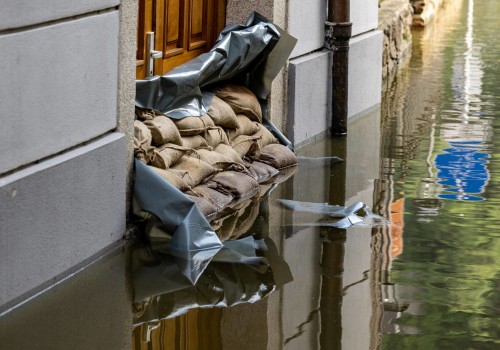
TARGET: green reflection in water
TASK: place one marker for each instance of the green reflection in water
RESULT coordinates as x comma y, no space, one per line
441,155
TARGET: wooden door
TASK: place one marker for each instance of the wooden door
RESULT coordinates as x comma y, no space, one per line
183,30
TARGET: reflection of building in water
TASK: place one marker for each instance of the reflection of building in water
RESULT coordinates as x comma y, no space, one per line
462,166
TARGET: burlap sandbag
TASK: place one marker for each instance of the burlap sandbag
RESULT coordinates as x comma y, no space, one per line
176,178
194,142
142,142
227,227
218,160
163,130
205,207
144,114
197,170
167,155
222,114
277,156
241,101
246,146
193,125
245,127
261,172
234,183
229,152
265,137
216,135
218,199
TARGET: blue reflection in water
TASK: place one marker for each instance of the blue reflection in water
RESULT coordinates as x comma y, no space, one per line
462,169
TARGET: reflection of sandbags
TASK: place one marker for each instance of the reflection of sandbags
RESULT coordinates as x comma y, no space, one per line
217,160
278,156
216,135
246,219
175,177
265,137
197,170
222,114
218,199
285,174
261,172
194,142
193,125
241,101
237,184
206,208
229,152
163,131
142,141
246,146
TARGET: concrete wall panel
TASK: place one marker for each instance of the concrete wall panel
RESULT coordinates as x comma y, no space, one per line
58,87
306,22
59,212
309,99
364,16
365,72
20,13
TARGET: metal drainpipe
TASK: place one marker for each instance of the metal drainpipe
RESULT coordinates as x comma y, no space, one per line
337,34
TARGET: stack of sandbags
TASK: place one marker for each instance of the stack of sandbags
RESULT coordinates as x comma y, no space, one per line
219,159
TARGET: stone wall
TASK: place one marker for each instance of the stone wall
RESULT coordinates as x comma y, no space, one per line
395,20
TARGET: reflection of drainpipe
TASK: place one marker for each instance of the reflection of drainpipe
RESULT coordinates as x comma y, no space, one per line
338,32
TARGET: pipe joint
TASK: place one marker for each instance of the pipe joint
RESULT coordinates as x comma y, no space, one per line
337,36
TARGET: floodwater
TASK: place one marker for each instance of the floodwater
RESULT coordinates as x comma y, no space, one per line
427,160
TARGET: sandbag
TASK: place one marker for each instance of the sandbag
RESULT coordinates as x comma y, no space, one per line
144,114
246,146
218,199
216,135
206,208
167,155
245,127
218,160
193,125
197,170
234,183
194,142
265,137
229,152
261,172
277,156
222,114
163,130
176,178
142,142
241,101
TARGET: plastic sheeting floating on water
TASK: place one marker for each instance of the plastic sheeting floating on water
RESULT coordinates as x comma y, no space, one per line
336,216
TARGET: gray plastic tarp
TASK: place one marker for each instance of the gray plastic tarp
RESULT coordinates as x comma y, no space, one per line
254,53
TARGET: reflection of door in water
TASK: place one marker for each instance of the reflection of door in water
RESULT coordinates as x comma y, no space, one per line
183,29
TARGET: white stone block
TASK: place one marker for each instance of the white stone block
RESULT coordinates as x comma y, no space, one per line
309,96
57,213
20,13
306,22
365,73
364,16
58,87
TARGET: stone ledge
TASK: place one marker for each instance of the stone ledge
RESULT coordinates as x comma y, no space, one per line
395,20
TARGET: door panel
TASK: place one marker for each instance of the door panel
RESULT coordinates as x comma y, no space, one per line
183,30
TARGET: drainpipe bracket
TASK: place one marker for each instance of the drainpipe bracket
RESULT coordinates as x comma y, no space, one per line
337,36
